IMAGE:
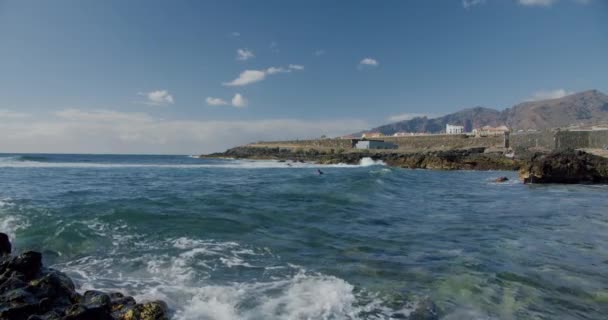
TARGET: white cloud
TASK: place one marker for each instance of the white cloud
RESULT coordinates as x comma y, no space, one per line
239,101
8,114
537,3
246,77
551,94
244,54
368,62
215,101
319,52
471,3
105,131
410,116
73,114
275,70
251,76
157,98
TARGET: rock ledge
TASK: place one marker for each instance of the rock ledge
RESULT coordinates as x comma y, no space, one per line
29,291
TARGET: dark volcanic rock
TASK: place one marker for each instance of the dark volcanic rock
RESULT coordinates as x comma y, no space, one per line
569,166
28,291
459,159
5,245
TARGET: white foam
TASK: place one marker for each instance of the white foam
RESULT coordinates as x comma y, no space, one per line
227,164
184,281
367,162
10,223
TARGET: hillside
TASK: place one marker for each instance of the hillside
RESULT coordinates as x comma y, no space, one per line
582,108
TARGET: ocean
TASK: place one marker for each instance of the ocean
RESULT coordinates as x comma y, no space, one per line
237,239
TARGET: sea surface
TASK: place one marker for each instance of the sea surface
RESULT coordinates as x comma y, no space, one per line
235,239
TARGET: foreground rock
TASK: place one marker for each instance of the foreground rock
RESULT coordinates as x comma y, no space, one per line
459,159
569,166
29,291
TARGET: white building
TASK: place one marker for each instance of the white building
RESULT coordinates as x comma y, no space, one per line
375,144
450,129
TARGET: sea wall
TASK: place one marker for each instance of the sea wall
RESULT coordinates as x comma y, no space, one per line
422,142
542,140
538,140
581,139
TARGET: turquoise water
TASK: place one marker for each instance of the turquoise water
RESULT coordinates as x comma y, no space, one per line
226,239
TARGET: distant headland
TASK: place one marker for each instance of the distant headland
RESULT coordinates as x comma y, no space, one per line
573,129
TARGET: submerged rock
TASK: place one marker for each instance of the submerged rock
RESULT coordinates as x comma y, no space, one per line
569,166
28,291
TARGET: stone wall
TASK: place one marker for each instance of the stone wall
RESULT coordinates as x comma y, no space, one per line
538,140
544,140
581,139
425,142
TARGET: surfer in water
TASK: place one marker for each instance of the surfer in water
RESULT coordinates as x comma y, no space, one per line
319,171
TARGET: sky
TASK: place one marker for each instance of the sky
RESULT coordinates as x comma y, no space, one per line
191,77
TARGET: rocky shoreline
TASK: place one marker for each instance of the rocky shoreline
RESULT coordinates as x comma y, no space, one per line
571,166
565,166
30,291
457,159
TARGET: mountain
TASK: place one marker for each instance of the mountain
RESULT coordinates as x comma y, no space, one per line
581,108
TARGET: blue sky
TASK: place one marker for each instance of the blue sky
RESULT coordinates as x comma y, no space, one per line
200,76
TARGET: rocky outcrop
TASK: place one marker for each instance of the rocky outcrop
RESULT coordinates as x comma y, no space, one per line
458,159
29,291
569,166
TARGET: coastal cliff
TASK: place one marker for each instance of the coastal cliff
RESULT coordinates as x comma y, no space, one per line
30,291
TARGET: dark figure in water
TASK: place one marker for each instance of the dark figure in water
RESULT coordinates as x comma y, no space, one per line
319,171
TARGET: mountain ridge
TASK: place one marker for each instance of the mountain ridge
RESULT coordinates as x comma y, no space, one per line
582,108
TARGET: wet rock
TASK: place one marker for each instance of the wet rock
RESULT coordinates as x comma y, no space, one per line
96,298
5,245
81,312
28,264
28,291
155,310
568,166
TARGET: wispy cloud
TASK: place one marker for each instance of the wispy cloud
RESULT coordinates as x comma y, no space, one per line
239,101
106,131
157,98
410,116
215,101
251,76
467,4
274,46
9,114
235,34
319,53
550,94
244,54
471,3
368,62
247,77
537,3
